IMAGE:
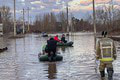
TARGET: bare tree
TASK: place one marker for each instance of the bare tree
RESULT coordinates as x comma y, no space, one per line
6,18
63,19
53,22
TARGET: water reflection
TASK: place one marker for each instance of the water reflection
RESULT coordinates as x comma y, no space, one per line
52,70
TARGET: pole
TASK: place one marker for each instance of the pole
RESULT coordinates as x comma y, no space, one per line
67,19
23,22
94,24
0,17
112,14
14,17
28,19
67,22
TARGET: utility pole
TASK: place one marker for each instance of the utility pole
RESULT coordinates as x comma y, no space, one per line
112,14
28,20
23,21
94,24
0,17
14,17
67,19
112,7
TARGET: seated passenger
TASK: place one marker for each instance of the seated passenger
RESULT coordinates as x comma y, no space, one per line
63,39
57,39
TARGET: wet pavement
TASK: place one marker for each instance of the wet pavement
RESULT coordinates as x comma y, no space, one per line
20,61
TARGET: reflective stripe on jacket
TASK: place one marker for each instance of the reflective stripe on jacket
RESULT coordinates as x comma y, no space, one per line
106,59
106,50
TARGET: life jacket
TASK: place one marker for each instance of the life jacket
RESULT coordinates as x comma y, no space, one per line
106,50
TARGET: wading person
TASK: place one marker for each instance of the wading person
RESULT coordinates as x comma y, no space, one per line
106,53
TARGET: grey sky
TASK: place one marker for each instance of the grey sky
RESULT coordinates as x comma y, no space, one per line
79,8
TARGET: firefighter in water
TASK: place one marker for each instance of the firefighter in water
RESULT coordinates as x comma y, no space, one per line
106,53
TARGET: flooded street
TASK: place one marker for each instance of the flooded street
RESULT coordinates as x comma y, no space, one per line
20,61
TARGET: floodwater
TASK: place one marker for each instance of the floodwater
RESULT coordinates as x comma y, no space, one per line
20,61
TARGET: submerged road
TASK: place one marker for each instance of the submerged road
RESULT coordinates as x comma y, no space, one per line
20,61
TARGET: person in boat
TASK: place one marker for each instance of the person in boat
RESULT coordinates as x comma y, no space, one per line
106,53
51,46
57,39
44,34
63,39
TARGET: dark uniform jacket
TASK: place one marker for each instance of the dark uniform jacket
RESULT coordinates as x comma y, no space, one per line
52,44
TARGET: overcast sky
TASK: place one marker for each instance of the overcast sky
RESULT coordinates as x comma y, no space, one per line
79,8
